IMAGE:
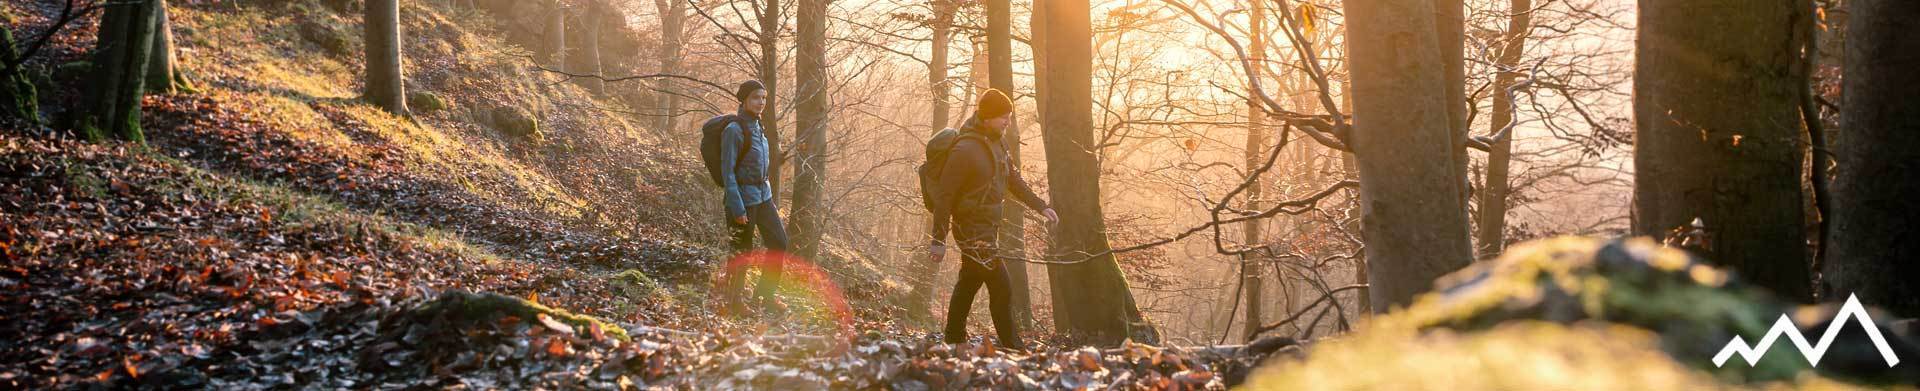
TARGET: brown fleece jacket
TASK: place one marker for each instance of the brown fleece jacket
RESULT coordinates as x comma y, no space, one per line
976,178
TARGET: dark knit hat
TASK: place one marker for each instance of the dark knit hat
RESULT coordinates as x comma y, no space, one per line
993,104
746,89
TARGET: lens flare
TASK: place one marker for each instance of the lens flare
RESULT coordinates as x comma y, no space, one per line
813,295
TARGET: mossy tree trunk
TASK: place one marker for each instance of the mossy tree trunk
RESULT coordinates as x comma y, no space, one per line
119,71
18,98
1875,248
1090,298
1412,220
1719,131
386,86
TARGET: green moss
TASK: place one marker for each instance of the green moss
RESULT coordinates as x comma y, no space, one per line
18,97
1565,313
1520,355
490,307
88,129
1694,307
519,124
342,6
73,70
635,279
329,38
424,102
637,287
81,178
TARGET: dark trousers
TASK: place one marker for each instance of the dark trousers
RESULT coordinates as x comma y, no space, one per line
999,298
773,234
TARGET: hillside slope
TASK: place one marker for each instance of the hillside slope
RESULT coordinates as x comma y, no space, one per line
271,191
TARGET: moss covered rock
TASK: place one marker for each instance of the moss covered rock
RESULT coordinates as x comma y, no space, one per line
327,37
343,6
517,123
424,102
1694,307
1589,313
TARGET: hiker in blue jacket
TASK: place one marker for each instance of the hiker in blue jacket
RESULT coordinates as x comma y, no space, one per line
749,197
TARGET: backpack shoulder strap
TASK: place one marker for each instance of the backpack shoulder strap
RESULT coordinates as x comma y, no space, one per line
964,135
745,142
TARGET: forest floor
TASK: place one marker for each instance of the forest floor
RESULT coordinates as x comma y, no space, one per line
275,232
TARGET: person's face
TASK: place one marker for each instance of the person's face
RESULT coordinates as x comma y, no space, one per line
999,123
755,102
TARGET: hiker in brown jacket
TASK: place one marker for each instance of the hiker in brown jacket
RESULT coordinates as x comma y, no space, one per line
965,200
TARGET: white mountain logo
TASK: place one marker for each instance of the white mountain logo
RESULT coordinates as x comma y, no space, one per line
1852,309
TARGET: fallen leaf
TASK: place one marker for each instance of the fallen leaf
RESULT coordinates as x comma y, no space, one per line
558,347
132,370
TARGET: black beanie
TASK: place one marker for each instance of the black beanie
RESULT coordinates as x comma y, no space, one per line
993,104
746,89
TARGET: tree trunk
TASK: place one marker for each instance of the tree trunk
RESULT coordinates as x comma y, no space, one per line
1350,170
162,75
386,87
119,72
925,274
770,78
1494,194
1013,230
590,49
18,98
1041,82
1718,122
1450,24
1255,155
673,17
942,26
812,103
1415,230
936,85
1091,298
556,48
1875,249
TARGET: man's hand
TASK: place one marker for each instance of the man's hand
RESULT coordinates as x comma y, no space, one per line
1052,218
741,220
936,252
